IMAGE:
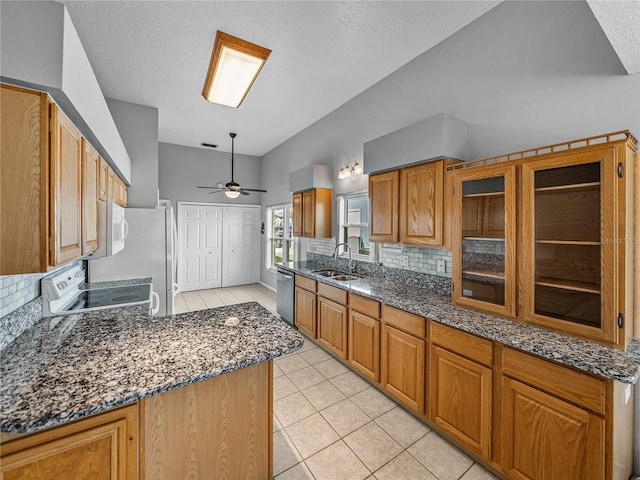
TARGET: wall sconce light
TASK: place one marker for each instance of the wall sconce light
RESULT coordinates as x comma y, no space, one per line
235,64
350,169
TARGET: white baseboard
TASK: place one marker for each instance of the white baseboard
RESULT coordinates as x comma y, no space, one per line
268,286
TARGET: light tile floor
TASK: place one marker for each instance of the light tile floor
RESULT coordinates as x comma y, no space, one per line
330,424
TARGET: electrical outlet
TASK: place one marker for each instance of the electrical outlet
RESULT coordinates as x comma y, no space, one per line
467,293
440,266
404,260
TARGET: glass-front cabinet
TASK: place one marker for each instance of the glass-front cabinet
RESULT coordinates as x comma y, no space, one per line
484,261
568,224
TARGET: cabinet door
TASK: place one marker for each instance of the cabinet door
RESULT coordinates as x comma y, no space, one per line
90,185
569,248
383,207
297,214
421,204
364,345
332,326
110,186
484,239
309,213
305,308
403,371
460,399
103,447
104,180
544,438
66,188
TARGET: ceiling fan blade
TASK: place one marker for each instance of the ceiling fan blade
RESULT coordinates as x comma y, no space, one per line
217,191
206,187
242,192
254,190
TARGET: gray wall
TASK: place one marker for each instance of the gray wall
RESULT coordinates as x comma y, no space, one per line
524,74
138,127
183,168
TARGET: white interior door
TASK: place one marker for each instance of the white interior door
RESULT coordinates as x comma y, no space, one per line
240,246
200,238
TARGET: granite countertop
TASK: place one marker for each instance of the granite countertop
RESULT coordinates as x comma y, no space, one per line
623,366
68,367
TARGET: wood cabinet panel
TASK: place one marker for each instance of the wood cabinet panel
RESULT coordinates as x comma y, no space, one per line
461,399
544,438
24,181
576,387
306,283
309,213
90,185
305,308
215,429
332,326
297,214
364,345
364,305
403,367
467,345
110,186
421,204
100,447
383,207
66,188
104,180
406,321
312,213
338,295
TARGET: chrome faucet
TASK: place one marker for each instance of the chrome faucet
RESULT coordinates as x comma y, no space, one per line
335,253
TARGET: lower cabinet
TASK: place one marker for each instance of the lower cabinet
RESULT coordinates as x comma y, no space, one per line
101,447
403,371
364,345
305,308
332,326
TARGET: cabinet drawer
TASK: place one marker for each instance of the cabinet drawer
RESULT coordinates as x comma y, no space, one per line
306,283
406,321
576,387
332,293
462,343
365,305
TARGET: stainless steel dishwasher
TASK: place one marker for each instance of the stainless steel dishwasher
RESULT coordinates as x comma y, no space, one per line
286,290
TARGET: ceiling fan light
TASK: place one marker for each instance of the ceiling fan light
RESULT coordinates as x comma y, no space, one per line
234,66
232,193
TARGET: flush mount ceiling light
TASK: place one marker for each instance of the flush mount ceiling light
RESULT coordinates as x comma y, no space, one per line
349,169
235,64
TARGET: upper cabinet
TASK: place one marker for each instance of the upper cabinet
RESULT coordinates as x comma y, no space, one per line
312,213
407,205
575,213
51,181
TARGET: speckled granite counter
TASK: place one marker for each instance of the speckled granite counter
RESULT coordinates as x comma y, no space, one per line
623,366
68,367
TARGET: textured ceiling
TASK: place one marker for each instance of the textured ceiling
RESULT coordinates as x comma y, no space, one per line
620,21
324,53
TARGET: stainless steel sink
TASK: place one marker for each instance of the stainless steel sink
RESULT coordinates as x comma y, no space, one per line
344,278
329,273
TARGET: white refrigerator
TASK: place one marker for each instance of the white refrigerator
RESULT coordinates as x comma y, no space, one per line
149,251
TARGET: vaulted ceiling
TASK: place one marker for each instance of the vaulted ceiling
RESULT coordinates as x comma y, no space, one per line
324,53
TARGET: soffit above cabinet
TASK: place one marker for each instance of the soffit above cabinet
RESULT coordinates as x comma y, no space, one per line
312,176
435,137
41,50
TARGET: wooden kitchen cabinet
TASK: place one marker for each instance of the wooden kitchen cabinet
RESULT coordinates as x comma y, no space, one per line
312,213
104,180
403,357
24,181
552,425
66,188
460,387
421,204
383,207
333,322
305,306
364,336
110,185
100,447
90,188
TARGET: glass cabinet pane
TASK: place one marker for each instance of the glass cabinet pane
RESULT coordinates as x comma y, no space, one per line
567,246
483,239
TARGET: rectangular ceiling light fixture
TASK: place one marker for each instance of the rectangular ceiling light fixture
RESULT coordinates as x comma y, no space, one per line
234,66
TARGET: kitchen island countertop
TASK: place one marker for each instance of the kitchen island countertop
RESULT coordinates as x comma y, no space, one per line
68,367
623,366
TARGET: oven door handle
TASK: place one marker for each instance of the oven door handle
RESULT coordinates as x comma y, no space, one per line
155,303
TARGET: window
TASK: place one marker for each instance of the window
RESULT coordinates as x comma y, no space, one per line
280,244
354,224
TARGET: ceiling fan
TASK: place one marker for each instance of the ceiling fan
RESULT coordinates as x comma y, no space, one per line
232,189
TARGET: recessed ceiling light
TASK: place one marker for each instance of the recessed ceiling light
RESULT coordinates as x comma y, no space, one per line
234,66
